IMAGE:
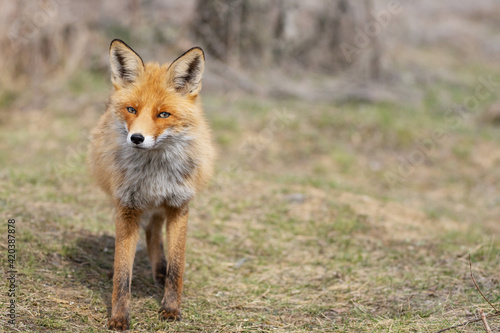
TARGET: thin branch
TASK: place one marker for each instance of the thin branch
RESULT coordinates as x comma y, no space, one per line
485,322
482,316
459,325
468,322
477,287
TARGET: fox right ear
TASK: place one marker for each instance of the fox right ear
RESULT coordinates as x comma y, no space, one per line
126,65
186,71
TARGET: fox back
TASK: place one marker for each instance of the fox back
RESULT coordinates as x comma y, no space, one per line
152,145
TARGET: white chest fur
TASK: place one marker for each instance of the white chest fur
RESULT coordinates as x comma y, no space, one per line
153,177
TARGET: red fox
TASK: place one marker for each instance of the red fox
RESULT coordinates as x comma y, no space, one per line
151,152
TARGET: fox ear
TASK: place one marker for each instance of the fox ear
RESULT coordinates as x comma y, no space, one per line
126,65
186,71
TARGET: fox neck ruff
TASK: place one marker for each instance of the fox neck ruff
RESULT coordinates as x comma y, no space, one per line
156,176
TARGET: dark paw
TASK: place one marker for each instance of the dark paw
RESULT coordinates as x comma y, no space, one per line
170,314
118,323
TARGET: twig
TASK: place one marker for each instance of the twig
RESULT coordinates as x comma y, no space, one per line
469,322
482,316
477,287
485,322
460,325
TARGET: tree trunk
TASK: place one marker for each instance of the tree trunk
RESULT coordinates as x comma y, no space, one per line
319,35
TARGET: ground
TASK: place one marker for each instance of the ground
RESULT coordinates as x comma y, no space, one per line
322,216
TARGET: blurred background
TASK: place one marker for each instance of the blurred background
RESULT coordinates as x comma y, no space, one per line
358,160
314,50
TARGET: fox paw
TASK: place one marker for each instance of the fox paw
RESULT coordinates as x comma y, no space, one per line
170,314
118,323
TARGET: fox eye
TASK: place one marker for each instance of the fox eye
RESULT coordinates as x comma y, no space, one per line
163,115
131,110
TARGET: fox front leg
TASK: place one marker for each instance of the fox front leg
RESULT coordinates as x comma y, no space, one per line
177,218
127,234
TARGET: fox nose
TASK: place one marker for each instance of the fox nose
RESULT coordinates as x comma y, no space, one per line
137,138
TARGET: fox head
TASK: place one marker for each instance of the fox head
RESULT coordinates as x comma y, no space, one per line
155,104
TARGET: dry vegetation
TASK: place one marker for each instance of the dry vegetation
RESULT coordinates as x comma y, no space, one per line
342,214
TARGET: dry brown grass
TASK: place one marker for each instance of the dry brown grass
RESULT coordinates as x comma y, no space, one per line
299,231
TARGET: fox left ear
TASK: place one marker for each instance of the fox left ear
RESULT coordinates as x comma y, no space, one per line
186,71
126,64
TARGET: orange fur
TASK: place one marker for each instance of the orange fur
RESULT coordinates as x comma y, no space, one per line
154,180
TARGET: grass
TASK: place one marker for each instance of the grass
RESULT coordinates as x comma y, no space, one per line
298,232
